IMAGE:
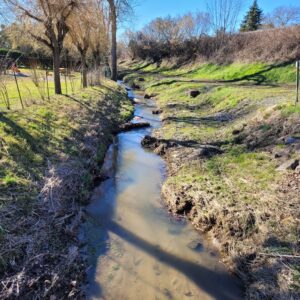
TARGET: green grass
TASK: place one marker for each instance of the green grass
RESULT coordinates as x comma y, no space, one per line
30,137
244,179
259,73
30,93
236,176
46,134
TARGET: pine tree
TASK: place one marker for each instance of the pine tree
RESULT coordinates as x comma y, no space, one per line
253,18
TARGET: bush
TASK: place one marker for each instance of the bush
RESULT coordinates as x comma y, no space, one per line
270,45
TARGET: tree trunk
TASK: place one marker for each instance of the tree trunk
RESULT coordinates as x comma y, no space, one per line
56,66
84,70
113,16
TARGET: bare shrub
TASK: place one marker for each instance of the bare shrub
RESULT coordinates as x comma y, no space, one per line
270,45
39,80
4,93
94,77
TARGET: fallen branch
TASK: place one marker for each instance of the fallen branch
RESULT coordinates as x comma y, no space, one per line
130,126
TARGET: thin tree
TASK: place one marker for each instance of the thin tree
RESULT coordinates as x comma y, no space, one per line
283,16
100,36
253,18
224,14
118,11
113,20
51,16
81,24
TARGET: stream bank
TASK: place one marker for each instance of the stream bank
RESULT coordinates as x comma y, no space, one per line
232,153
50,155
136,249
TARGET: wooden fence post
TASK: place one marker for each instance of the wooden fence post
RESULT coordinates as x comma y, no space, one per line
47,81
297,81
16,80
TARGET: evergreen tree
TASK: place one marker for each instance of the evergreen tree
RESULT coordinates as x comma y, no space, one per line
253,18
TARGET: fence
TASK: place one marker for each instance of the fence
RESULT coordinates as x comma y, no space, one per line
21,87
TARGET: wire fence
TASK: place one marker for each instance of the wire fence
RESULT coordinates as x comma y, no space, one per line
23,85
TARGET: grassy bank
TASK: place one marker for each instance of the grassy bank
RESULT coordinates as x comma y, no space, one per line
247,111
50,154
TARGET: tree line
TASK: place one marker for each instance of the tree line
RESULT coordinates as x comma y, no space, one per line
200,32
84,28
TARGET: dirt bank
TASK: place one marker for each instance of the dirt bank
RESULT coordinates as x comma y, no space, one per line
64,142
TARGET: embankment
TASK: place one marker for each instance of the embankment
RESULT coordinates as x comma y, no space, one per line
231,137
50,156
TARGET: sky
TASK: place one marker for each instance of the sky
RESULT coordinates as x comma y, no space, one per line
147,10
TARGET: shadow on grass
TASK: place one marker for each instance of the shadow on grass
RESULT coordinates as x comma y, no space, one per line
20,132
257,78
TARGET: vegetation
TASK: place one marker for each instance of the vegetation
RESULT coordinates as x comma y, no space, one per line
248,112
230,133
49,155
253,18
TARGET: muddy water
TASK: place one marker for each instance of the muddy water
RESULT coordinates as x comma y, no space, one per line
138,250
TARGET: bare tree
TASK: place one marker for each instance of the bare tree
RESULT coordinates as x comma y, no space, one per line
224,14
113,19
99,43
167,29
50,17
119,10
194,25
80,29
283,16
202,23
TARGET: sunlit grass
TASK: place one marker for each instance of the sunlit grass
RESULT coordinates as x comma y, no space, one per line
29,91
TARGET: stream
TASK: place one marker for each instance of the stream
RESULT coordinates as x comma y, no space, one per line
137,250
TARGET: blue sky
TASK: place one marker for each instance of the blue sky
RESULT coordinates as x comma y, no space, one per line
147,10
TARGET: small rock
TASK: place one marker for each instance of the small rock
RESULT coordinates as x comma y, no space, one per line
161,149
150,142
291,164
236,131
195,246
157,112
194,93
292,140
149,96
135,86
